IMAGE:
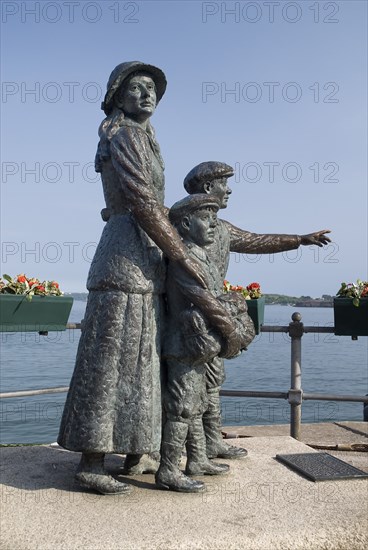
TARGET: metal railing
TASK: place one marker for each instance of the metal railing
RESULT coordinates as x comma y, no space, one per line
295,395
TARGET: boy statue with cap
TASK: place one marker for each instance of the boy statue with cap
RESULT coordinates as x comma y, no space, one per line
211,178
201,324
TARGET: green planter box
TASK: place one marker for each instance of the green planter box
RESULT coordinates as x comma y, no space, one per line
256,312
42,313
350,320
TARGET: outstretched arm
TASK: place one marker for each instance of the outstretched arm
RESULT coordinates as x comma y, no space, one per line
243,241
253,243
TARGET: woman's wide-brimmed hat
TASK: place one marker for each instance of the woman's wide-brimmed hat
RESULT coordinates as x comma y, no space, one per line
122,71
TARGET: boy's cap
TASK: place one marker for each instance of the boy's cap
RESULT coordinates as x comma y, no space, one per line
206,171
123,71
191,204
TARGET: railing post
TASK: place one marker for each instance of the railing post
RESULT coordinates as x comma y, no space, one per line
296,393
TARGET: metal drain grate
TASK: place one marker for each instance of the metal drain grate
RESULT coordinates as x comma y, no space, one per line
321,466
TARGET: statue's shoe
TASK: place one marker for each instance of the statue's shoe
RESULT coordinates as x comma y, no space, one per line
206,468
178,482
102,483
227,451
133,465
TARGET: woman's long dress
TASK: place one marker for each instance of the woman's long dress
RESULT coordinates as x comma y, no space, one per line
114,401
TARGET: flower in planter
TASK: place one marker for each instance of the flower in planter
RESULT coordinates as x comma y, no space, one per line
250,292
254,290
22,285
356,291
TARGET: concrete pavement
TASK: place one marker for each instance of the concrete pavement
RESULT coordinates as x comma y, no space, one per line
260,505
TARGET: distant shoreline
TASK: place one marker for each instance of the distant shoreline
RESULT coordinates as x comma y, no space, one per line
271,300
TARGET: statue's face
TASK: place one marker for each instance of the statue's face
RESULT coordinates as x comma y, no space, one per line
220,189
138,98
201,227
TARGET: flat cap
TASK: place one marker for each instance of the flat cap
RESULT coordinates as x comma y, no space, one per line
122,71
206,171
191,204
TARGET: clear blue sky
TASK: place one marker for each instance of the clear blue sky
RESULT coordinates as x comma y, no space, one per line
275,89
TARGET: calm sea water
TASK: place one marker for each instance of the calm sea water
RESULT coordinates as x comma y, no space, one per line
330,364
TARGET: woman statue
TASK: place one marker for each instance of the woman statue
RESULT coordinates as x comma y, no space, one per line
114,401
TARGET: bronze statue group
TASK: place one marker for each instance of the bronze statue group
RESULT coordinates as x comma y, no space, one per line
157,326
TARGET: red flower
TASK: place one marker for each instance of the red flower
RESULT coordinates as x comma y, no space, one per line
253,286
21,279
252,291
55,284
41,288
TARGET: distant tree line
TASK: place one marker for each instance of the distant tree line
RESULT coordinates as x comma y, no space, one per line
283,300
81,296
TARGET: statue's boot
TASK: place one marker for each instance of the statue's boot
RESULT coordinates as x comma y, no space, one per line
91,474
216,446
135,464
169,475
197,461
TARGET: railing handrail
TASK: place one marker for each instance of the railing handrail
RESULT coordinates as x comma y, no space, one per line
27,393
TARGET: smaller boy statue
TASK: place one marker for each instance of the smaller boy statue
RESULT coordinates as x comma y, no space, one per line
201,324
